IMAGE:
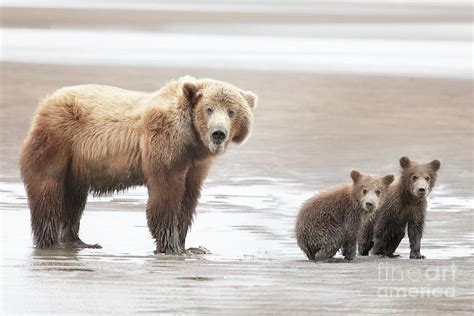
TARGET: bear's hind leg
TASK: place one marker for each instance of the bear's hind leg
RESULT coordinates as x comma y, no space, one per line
331,244
75,198
325,254
45,201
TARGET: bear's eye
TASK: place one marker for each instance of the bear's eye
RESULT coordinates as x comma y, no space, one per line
364,191
427,178
231,113
378,192
209,111
414,178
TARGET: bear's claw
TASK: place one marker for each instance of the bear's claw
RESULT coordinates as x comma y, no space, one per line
79,244
198,251
417,257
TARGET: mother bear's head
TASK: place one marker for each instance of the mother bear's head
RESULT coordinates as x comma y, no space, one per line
222,113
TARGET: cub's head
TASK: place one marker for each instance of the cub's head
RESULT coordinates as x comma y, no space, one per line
222,113
418,178
370,191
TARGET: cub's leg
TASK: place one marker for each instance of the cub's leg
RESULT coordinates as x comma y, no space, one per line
393,240
75,198
165,197
322,238
366,238
388,243
415,232
326,253
349,248
310,247
387,236
330,241
379,246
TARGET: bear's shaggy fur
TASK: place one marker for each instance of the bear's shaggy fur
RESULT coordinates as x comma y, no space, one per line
405,206
331,219
102,139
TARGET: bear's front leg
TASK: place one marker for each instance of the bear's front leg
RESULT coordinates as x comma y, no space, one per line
387,237
194,179
365,239
415,232
164,202
349,247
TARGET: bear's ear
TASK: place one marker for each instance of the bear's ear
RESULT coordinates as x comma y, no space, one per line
356,175
404,162
251,99
388,179
191,93
435,165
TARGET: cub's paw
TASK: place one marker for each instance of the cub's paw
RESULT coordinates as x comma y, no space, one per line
418,256
334,260
198,251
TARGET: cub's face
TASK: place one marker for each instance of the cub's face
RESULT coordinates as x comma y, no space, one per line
419,178
370,191
222,113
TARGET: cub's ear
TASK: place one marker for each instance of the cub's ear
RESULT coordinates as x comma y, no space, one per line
356,176
404,162
388,179
191,93
435,165
251,99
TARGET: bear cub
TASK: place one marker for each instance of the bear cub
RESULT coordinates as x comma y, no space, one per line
405,207
331,219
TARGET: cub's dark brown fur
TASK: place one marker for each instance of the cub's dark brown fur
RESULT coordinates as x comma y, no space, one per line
331,219
405,205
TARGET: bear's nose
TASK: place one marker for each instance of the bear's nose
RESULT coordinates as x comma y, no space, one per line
218,136
422,190
369,205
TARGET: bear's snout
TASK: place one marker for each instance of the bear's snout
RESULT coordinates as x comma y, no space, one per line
421,192
421,188
218,135
370,202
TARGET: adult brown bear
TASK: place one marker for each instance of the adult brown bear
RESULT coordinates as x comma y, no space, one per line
101,139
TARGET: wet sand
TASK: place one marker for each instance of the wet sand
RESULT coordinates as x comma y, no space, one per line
310,130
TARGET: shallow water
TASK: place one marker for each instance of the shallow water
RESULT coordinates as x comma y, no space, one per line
336,55
255,262
249,218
